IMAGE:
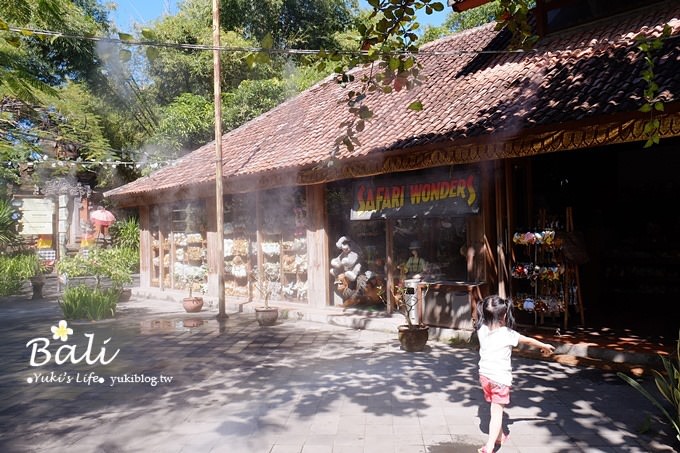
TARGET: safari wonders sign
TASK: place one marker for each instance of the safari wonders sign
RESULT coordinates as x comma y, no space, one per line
434,193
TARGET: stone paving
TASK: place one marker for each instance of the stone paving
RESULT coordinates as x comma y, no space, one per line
197,385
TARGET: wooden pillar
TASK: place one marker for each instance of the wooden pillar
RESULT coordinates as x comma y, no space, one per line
389,261
145,241
212,239
318,260
503,281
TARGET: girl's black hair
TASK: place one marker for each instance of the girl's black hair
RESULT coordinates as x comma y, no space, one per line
495,309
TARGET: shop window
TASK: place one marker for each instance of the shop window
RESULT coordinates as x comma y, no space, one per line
188,246
178,245
441,239
240,230
282,264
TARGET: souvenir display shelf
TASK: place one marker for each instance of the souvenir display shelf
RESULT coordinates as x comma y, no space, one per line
284,245
179,255
538,284
284,266
239,245
294,268
160,259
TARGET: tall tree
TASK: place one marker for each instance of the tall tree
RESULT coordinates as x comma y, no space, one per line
36,70
309,24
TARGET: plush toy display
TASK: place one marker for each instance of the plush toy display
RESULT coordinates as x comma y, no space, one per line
347,262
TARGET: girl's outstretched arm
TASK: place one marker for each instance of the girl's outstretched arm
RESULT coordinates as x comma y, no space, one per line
534,343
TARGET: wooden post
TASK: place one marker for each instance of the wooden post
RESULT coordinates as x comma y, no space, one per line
145,242
318,260
219,192
389,262
572,269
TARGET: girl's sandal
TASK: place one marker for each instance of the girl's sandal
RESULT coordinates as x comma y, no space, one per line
504,439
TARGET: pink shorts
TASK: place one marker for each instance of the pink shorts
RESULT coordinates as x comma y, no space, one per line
494,392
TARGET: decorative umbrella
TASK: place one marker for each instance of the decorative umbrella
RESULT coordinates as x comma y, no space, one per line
102,217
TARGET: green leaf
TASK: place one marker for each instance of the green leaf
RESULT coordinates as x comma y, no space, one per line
394,63
648,143
125,37
348,144
125,55
437,6
645,108
13,41
152,53
3,25
416,106
361,124
148,34
365,113
267,41
658,106
54,38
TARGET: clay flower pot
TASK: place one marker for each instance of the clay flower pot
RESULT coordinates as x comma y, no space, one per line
266,316
125,294
192,304
413,338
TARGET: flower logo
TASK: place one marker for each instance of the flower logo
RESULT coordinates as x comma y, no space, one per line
62,332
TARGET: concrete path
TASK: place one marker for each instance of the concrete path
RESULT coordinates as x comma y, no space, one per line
168,381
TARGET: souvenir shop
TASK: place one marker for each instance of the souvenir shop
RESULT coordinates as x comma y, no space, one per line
431,219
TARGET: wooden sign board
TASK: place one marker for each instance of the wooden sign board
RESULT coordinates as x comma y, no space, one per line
37,214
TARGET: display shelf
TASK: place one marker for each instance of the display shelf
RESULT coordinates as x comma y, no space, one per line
538,276
294,268
239,245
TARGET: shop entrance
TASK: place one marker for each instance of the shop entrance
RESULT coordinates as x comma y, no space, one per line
624,202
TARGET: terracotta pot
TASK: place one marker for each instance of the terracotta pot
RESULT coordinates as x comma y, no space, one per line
266,316
125,295
192,323
192,304
37,284
413,339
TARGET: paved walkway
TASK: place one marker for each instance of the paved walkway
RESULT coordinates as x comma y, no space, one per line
185,383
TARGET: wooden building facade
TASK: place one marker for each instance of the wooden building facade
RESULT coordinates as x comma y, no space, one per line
544,140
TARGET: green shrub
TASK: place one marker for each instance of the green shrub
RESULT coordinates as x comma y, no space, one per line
668,384
9,236
115,263
83,302
16,268
125,234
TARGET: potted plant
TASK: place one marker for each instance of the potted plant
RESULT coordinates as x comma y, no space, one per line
18,267
192,278
412,337
114,264
192,304
265,315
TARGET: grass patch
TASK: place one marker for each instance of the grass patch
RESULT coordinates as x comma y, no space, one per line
84,302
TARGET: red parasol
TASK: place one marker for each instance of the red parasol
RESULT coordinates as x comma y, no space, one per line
102,217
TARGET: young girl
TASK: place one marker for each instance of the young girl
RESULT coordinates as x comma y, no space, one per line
496,339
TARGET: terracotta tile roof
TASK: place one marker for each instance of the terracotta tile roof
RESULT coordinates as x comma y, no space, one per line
463,5
583,75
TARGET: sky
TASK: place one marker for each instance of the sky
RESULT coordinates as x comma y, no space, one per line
131,12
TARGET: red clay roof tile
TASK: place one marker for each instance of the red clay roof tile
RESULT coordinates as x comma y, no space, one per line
584,74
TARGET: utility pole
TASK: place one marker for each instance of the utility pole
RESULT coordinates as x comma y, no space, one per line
219,196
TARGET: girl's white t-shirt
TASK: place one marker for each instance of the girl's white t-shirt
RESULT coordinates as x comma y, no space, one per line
495,351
